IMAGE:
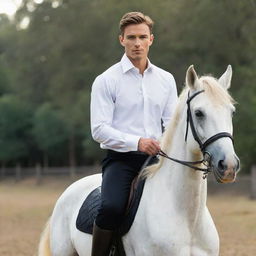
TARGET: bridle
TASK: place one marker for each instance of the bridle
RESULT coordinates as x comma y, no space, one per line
203,145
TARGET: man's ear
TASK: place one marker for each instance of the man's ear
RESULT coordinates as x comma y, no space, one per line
151,39
121,40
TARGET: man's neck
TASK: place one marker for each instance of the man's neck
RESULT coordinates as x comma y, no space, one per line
141,64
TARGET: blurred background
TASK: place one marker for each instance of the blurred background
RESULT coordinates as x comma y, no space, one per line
50,53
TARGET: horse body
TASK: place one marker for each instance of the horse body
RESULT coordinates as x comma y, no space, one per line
172,218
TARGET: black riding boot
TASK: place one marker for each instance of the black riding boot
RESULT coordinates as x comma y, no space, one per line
101,241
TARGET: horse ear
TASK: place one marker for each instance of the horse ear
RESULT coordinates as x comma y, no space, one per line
225,79
191,78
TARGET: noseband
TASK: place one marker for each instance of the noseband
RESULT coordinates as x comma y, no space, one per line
202,145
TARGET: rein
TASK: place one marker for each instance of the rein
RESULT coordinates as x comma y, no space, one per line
203,146
191,164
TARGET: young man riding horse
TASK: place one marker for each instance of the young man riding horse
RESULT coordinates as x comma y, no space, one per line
130,102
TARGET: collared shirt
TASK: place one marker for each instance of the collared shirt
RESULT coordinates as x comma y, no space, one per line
126,105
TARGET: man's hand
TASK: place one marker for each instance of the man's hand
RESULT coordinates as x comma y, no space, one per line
149,146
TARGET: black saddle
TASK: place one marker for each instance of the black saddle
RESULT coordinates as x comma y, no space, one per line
89,210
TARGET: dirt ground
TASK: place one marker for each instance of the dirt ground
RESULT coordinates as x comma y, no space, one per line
25,207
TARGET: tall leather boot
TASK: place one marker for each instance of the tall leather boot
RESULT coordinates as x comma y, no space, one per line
101,241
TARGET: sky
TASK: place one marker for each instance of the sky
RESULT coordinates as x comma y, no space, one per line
9,6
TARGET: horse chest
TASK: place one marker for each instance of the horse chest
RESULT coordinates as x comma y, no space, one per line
154,234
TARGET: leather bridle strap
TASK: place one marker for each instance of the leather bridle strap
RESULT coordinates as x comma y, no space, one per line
214,138
193,129
190,119
186,163
202,146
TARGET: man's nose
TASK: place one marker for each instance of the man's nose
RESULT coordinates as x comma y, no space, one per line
137,42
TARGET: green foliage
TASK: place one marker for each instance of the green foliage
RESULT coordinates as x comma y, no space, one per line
49,129
51,65
15,124
92,150
3,82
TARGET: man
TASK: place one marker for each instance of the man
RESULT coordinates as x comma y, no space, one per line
129,104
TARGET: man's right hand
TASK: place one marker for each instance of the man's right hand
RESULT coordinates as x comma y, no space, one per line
149,146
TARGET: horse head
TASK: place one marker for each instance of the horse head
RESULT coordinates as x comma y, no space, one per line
209,114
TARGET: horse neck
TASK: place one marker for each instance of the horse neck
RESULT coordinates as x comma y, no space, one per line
178,184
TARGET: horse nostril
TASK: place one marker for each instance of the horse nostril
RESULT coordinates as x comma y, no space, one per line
222,166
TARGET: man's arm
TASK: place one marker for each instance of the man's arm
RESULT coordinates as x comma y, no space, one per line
102,109
170,104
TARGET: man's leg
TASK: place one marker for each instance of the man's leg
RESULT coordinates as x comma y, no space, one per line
101,241
117,178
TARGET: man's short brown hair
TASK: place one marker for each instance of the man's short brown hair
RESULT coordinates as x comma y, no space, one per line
135,18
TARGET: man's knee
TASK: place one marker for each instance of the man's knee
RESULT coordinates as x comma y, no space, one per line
110,216
113,209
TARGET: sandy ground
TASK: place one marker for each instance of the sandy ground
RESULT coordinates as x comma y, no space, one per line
25,207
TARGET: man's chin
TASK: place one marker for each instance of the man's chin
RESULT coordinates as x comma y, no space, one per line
136,57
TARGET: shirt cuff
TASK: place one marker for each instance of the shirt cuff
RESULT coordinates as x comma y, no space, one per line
132,142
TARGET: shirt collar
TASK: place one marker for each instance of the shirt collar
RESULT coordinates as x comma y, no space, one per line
127,64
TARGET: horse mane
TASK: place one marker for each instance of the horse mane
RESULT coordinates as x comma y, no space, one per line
213,90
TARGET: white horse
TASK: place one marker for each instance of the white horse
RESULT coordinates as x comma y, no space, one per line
172,218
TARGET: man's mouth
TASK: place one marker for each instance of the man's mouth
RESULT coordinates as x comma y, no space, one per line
137,51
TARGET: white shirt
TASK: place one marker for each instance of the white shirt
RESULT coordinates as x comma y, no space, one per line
126,105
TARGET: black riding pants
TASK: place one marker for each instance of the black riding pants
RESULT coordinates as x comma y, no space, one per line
118,172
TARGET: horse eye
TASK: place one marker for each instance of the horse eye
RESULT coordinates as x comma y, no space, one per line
199,114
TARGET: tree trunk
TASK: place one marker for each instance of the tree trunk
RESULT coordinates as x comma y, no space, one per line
3,170
18,172
46,162
38,174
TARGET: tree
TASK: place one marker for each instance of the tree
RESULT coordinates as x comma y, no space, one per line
66,45
50,131
15,124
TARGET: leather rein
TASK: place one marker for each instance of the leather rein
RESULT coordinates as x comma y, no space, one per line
203,145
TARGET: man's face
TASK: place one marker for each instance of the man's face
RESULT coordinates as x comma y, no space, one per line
136,41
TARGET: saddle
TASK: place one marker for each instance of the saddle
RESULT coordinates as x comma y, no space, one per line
89,210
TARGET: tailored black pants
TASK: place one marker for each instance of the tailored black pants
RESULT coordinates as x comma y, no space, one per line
118,172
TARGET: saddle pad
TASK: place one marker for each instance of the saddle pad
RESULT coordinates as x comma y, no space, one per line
90,206
89,211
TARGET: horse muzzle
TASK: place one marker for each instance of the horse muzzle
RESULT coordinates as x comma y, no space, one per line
225,170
